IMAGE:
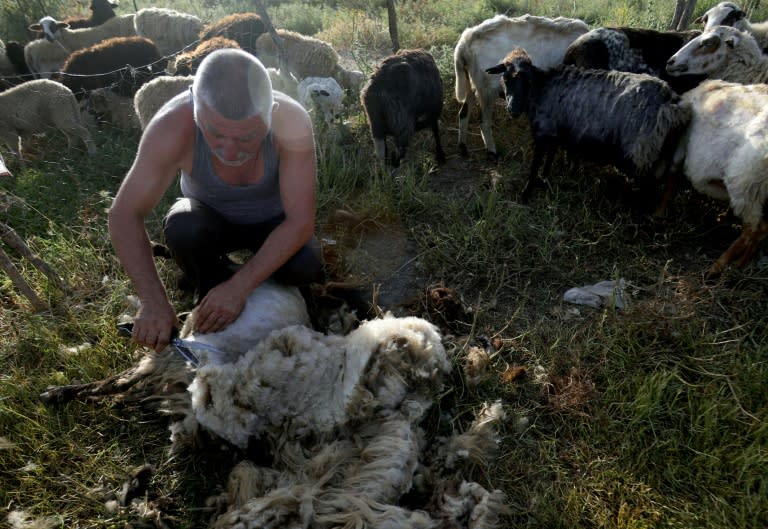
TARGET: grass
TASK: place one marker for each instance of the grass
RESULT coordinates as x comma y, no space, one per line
653,416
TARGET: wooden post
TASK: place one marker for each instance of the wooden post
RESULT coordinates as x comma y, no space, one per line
393,33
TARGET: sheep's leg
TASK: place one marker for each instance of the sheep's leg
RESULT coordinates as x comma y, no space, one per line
539,152
754,239
109,386
439,153
740,252
464,124
486,127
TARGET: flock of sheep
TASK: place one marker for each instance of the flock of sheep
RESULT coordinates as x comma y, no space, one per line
658,105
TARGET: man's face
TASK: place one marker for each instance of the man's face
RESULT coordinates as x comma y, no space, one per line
232,142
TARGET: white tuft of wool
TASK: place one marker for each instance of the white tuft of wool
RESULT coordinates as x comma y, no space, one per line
299,381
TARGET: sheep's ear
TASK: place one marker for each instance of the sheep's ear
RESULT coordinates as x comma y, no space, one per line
739,14
732,42
701,20
499,68
35,27
61,25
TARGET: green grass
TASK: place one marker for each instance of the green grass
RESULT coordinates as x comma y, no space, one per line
649,417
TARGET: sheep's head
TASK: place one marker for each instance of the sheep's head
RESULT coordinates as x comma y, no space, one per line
709,52
48,26
723,14
516,78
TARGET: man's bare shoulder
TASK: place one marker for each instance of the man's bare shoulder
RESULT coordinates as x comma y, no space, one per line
171,130
290,121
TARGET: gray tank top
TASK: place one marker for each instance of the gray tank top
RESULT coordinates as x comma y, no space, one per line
239,204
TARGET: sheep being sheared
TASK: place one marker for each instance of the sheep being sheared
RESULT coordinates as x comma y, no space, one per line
340,416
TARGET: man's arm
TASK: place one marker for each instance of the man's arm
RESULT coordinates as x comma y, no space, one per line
157,161
292,129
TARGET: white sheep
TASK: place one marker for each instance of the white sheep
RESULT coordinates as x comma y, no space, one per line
725,156
157,92
321,95
307,57
171,31
725,150
46,56
722,52
38,106
484,45
729,14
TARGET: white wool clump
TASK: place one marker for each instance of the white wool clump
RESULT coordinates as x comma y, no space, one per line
299,381
292,377
314,377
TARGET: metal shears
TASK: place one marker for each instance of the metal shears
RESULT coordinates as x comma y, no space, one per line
182,347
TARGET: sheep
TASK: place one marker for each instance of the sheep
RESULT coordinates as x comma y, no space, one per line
172,31
629,120
724,154
322,94
153,95
339,415
632,50
484,45
101,11
186,63
403,94
46,56
39,105
243,28
115,109
122,63
722,52
307,57
729,14
14,53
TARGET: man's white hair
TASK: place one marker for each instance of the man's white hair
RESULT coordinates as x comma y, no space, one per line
235,84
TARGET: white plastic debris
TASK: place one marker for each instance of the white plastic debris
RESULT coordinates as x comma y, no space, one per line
603,293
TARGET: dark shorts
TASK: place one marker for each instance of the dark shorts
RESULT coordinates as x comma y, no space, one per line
199,239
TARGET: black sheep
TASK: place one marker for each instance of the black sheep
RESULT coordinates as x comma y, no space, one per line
631,121
404,94
632,50
121,63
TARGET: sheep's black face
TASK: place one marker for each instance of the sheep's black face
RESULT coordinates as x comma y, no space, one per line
517,86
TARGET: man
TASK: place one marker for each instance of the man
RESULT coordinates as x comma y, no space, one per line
248,176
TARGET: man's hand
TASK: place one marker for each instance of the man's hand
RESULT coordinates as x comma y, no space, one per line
220,307
153,324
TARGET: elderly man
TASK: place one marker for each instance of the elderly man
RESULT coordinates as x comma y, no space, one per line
248,179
